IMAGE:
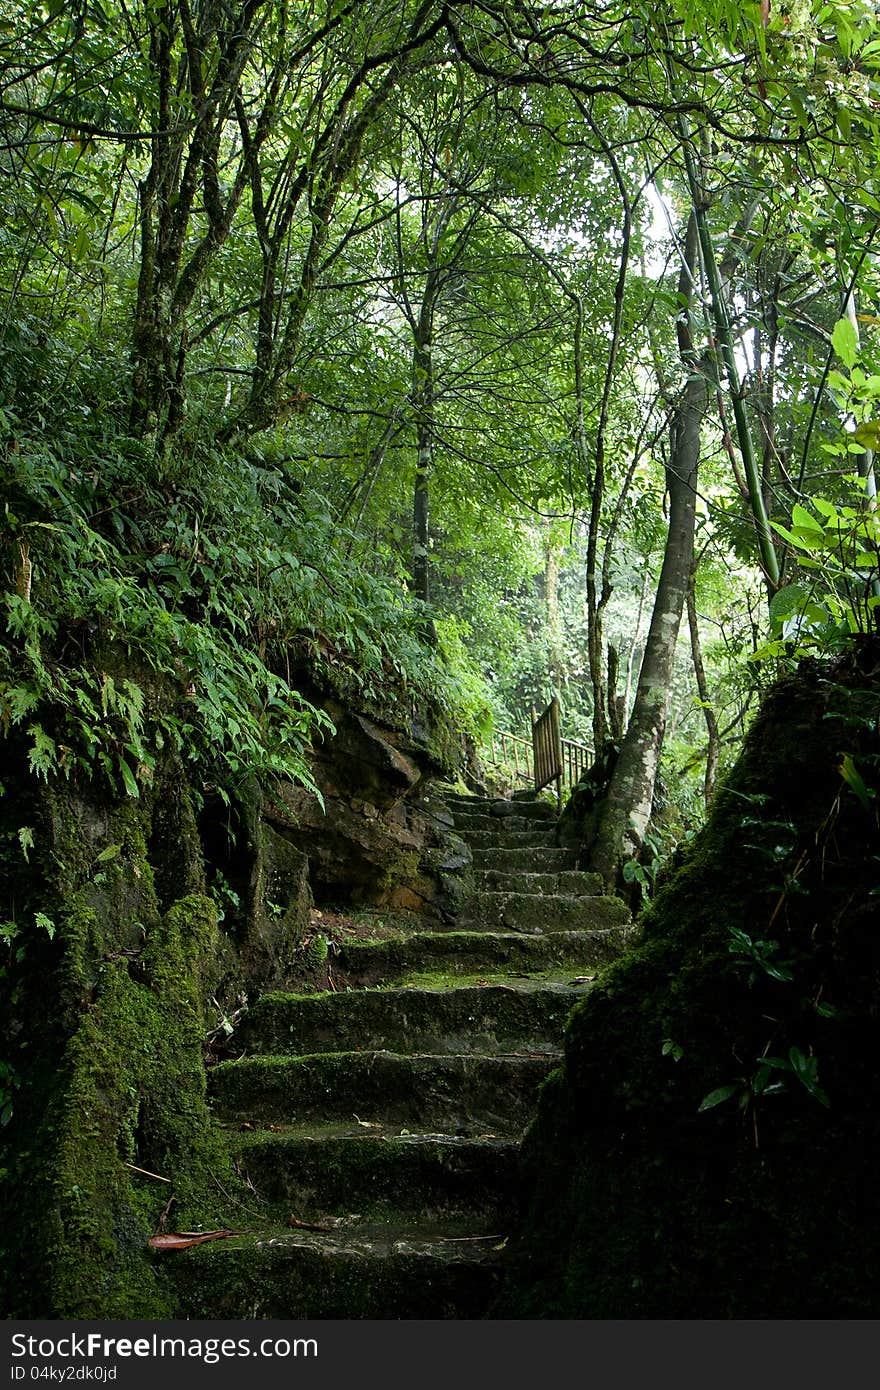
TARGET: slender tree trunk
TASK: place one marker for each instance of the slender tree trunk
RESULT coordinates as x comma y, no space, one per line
616,702
713,736
423,410
634,647
627,808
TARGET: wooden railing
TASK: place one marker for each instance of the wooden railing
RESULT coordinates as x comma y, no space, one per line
547,743
544,758
513,752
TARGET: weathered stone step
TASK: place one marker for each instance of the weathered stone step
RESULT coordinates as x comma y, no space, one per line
522,1016
536,912
569,882
465,952
355,1273
465,1094
375,1173
535,808
502,839
468,824
531,859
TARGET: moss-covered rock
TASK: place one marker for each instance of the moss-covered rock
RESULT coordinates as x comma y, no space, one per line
103,1032
133,1099
684,1161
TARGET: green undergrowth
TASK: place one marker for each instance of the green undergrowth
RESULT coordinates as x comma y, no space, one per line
203,604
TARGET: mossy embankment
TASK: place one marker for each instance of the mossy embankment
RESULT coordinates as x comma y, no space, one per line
756,986
104,1034
116,975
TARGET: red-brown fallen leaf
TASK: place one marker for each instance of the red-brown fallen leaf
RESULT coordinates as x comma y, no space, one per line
182,1240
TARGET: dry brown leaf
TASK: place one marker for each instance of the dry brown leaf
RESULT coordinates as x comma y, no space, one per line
182,1240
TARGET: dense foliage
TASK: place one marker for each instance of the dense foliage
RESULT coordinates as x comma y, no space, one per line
347,344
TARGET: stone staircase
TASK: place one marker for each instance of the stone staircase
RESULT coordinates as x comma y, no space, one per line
377,1126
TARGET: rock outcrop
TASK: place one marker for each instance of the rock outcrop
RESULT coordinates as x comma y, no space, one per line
368,832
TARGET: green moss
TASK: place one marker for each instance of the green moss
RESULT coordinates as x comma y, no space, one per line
104,1024
134,1095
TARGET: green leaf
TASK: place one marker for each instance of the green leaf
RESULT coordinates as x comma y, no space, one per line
845,342
803,520
109,853
868,434
806,1069
722,1094
131,785
792,598
45,924
853,778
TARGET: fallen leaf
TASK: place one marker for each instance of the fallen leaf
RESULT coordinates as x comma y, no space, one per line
182,1240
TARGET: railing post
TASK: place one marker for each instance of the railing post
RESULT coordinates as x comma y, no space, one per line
556,736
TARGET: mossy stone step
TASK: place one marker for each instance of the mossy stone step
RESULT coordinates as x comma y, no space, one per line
503,839
463,952
515,1017
569,882
375,1174
524,859
537,912
535,808
349,1274
467,824
469,1095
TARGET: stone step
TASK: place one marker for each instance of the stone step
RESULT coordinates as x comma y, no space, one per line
467,824
468,1095
569,882
352,1273
467,952
533,808
536,912
526,860
502,839
376,1172
521,1016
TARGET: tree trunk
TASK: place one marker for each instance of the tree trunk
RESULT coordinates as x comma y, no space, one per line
423,410
627,808
714,739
